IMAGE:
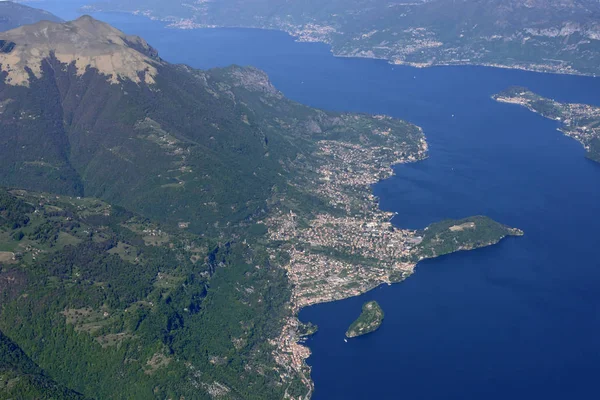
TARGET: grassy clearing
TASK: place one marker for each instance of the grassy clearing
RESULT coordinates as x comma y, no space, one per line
86,319
126,252
66,239
7,257
113,339
157,361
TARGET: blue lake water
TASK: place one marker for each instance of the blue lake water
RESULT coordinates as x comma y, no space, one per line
519,320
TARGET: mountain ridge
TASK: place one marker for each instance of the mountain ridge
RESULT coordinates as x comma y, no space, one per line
98,136
86,42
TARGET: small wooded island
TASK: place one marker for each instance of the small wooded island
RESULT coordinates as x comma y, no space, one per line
369,320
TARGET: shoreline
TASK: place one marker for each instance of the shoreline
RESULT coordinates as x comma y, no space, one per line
577,121
295,345
537,68
187,24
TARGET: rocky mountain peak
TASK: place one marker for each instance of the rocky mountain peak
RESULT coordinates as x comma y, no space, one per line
85,42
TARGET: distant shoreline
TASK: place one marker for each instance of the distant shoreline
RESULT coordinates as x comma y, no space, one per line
189,25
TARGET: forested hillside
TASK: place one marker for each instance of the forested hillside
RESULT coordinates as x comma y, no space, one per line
21,378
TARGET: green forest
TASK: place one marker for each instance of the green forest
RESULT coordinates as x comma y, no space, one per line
449,236
95,293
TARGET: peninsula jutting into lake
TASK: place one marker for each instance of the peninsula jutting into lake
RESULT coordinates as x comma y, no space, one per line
579,121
